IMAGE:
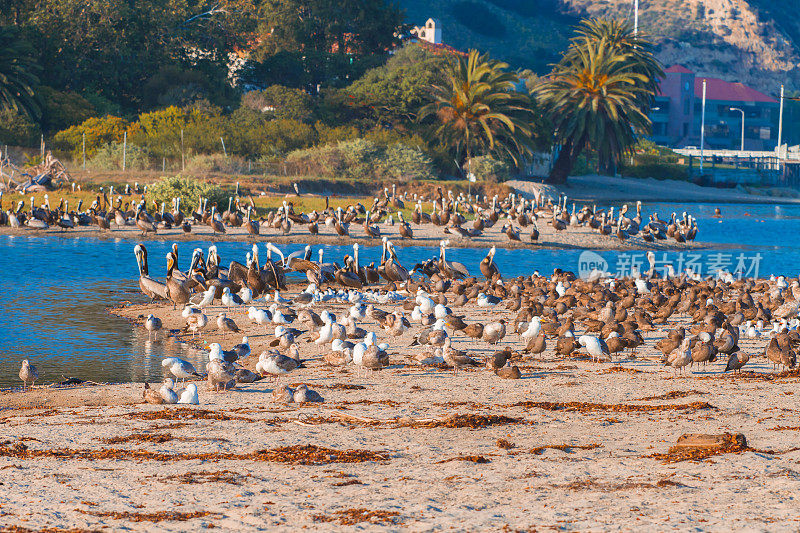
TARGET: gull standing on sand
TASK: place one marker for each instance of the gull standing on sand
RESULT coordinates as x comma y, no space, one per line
196,322
595,347
225,324
27,373
179,368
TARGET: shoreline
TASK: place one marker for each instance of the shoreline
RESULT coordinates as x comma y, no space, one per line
601,189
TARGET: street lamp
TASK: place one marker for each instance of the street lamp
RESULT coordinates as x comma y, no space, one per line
742,112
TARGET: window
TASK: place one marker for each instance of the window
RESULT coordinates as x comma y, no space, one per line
685,129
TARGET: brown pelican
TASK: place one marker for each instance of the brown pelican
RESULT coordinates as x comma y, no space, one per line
450,269
405,228
394,270
177,291
488,266
149,286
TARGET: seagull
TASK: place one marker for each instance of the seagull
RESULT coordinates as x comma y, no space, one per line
189,395
487,301
243,349
167,391
195,322
206,298
275,363
179,368
225,324
595,347
261,317
151,324
217,353
221,373
27,373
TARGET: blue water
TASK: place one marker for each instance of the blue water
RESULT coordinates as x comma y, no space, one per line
54,292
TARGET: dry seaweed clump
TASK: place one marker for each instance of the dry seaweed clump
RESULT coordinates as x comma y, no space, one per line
184,414
672,395
174,516
464,421
155,438
301,455
504,444
316,455
478,459
615,369
587,407
350,517
567,448
203,476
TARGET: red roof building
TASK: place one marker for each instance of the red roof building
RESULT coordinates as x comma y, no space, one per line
677,114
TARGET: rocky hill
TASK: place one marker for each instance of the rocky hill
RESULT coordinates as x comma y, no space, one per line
756,42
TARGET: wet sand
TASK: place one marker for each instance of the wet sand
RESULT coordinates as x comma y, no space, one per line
424,235
571,445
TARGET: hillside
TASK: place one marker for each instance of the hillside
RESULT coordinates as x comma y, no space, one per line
756,42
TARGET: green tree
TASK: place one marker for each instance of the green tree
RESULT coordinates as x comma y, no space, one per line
393,93
18,71
337,26
480,112
281,102
112,48
596,98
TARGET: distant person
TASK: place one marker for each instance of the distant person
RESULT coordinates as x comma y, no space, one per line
717,213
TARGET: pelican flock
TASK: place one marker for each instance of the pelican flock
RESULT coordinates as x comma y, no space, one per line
462,217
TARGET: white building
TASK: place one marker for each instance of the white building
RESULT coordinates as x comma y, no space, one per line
431,31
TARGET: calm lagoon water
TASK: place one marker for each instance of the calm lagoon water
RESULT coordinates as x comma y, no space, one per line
54,291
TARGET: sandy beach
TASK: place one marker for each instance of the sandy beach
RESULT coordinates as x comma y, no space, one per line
572,445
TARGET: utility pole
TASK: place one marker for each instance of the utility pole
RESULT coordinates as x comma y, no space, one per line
780,128
124,149
742,112
636,17
702,126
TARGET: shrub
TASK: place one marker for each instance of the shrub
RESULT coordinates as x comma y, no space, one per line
109,157
362,158
218,163
406,163
17,129
99,132
160,131
323,160
486,168
281,102
188,189
328,134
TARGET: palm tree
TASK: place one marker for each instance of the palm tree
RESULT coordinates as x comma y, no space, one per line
480,111
597,97
620,36
17,73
